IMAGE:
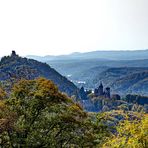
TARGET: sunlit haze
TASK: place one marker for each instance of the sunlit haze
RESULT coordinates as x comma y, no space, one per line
53,27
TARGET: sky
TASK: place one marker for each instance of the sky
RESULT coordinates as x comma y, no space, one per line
54,27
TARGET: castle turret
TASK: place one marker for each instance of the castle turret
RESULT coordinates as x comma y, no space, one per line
13,53
96,92
107,92
100,90
83,94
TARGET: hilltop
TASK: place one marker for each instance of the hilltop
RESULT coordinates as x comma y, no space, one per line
16,67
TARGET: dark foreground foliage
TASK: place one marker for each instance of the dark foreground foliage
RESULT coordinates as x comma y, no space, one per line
38,115
35,115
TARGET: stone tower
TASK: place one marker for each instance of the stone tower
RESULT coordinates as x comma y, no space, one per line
96,92
100,90
83,94
13,54
107,92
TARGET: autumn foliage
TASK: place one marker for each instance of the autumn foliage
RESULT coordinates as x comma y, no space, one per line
36,114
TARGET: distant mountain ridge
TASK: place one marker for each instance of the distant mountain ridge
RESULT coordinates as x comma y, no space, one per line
111,55
124,71
17,67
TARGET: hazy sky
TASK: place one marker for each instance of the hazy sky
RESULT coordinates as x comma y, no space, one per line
44,27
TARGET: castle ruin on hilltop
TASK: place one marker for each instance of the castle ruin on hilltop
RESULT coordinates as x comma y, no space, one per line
100,92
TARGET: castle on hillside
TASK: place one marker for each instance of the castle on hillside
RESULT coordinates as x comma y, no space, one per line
13,54
101,92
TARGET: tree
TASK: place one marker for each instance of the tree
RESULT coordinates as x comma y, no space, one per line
131,133
2,94
44,117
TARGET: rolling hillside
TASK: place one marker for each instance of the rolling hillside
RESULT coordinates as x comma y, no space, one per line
114,68
125,80
15,67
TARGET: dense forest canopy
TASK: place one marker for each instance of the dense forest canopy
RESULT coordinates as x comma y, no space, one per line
36,114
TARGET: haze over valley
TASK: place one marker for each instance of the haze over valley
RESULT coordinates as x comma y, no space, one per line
74,74
124,71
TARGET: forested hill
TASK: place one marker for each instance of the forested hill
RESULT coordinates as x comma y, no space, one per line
15,67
